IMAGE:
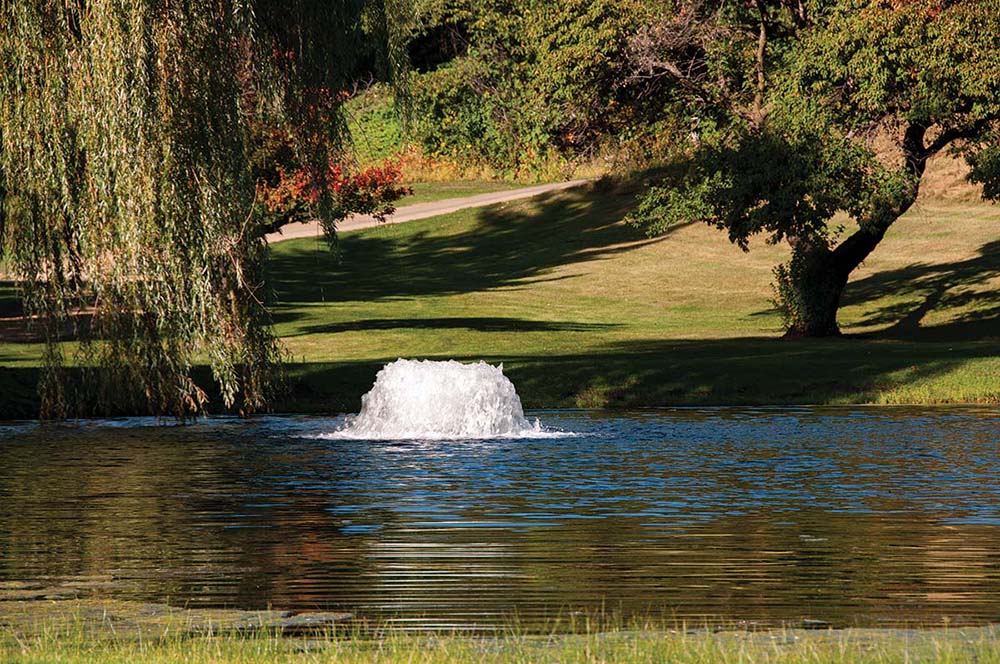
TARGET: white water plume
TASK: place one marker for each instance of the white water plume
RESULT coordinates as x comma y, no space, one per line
425,399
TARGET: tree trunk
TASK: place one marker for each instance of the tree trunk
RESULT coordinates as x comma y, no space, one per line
3,220
809,287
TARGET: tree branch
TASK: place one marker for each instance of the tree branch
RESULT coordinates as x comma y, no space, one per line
914,151
953,134
663,49
799,13
3,220
758,100
856,248
295,214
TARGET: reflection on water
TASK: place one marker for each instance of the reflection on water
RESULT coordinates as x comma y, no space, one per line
851,516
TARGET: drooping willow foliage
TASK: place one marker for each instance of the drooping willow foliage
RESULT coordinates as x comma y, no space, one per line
126,188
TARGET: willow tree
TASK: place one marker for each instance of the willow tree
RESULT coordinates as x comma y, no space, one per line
126,151
801,109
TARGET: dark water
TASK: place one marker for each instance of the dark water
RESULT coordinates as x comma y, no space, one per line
849,516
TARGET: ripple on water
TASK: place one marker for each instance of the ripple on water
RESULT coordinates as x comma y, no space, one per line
850,516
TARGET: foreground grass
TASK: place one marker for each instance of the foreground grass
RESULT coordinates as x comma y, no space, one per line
624,647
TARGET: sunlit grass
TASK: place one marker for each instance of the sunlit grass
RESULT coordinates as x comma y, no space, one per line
426,192
616,646
584,311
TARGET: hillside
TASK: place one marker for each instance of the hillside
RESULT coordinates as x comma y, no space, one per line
585,312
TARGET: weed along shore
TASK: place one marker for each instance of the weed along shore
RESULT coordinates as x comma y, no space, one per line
69,620
64,622
122,633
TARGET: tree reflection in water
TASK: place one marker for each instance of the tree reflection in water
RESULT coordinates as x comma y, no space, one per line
853,517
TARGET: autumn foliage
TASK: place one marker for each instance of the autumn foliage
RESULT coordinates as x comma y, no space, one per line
303,174
372,191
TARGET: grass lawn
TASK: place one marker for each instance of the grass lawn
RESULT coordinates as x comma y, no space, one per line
586,312
427,192
624,647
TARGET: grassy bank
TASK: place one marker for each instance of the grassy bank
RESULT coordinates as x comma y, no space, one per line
621,647
585,312
427,192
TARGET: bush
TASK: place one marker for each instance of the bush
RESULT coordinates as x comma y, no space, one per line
541,83
374,125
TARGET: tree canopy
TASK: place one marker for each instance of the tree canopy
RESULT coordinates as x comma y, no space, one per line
801,109
518,83
128,196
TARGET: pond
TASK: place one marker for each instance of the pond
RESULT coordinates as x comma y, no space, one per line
843,516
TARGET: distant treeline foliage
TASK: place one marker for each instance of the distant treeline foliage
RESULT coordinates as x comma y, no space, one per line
518,83
809,108
773,115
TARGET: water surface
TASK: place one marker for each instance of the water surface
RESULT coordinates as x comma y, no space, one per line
848,516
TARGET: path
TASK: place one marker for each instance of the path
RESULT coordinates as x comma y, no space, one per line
423,210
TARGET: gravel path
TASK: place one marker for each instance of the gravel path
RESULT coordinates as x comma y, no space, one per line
423,210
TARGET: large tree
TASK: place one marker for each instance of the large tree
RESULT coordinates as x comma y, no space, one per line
127,180
800,109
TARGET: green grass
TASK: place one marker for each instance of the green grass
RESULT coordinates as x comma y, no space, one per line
624,647
427,192
104,631
586,312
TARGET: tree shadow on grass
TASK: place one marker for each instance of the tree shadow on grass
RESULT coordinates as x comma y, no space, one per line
478,324
10,300
741,371
510,245
19,390
924,288
710,372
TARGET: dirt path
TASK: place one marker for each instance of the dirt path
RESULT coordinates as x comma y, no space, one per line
423,210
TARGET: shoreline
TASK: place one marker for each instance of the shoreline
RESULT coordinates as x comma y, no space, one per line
10,417
113,632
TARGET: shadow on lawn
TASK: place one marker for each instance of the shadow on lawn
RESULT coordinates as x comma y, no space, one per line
507,248
741,371
924,288
738,372
18,387
10,300
479,324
